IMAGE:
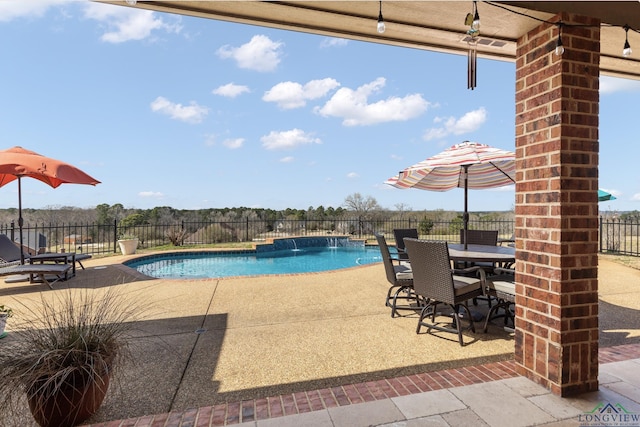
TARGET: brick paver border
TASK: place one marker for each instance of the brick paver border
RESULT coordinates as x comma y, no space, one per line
297,403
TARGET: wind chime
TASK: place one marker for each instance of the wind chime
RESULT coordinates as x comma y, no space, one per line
473,20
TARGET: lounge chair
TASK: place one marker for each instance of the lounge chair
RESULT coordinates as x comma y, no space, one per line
80,258
435,283
71,258
41,271
400,277
10,265
9,251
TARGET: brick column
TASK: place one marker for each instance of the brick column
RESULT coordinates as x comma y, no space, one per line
557,98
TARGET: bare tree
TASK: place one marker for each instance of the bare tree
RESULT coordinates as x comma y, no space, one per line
366,208
402,208
362,206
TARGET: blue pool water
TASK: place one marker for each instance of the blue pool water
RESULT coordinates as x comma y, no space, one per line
199,265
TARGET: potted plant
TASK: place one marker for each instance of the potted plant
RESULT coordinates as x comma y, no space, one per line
63,355
128,244
5,313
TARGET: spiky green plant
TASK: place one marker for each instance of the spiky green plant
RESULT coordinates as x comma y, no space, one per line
66,341
6,310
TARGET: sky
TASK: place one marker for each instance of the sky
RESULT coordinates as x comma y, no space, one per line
169,110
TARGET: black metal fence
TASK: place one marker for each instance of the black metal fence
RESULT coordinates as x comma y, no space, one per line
616,236
619,236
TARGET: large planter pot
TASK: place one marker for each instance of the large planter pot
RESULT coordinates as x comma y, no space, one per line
128,246
67,404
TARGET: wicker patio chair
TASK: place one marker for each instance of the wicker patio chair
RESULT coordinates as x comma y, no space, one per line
502,287
435,283
480,237
400,277
400,234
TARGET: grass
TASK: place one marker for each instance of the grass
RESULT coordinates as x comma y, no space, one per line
629,261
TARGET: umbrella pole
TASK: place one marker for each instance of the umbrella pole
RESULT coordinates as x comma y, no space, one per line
465,216
20,220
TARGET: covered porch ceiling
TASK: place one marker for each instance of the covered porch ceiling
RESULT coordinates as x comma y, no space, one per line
429,25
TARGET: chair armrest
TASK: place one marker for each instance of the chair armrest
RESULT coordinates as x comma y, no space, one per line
399,260
501,270
466,271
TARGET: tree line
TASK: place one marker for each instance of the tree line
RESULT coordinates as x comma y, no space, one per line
354,206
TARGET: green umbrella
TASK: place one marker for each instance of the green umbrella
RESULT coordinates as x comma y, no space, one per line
603,195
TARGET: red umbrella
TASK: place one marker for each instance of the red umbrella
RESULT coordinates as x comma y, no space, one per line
17,162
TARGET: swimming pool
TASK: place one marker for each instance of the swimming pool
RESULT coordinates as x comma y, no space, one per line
199,265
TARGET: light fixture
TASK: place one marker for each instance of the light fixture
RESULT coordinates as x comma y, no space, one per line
626,51
381,26
131,2
559,45
476,17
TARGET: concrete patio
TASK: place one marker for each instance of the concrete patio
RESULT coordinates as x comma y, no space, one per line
241,348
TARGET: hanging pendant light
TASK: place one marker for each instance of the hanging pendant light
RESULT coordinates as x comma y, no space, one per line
626,50
381,26
559,46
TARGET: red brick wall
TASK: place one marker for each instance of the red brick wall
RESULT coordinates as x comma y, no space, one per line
556,205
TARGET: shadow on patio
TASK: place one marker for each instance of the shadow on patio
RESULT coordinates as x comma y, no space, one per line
210,341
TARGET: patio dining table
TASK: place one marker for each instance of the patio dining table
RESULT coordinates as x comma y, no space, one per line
500,255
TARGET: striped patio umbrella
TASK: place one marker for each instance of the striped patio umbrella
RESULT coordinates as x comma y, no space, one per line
468,165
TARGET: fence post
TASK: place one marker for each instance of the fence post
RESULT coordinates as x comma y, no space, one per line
246,235
115,236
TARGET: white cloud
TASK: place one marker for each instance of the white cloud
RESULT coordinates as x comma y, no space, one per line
612,84
193,113
288,139
636,197
470,122
287,159
233,143
10,10
354,108
333,42
230,90
125,24
352,175
259,54
154,194
290,95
